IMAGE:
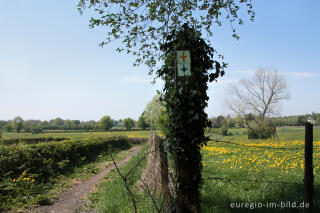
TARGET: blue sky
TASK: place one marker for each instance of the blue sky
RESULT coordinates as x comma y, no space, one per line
51,65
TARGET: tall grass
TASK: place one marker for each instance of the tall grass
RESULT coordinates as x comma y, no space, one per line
113,197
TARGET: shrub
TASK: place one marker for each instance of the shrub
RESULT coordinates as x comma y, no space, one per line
224,130
49,159
15,141
36,129
263,132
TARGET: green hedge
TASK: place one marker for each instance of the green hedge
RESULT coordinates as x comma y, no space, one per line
14,141
50,159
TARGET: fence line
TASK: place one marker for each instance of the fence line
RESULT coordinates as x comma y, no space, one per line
254,180
261,147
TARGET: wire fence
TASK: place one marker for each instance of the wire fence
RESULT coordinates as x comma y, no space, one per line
255,180
230,180
262,147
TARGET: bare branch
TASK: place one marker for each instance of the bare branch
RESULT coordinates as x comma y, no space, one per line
124,178
259,96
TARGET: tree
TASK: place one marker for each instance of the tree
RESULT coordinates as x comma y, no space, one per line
58,123
185,99
105,123
143,25
141,123
153,31
7,127
128,123
17,123
301,120
153,112
258,98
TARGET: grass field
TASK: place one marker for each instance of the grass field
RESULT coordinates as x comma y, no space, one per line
241,173
75,134
23,182
248,171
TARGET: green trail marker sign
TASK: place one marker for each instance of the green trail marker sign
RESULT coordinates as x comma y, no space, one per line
183,63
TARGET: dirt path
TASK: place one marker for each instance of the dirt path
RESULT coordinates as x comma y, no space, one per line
70,200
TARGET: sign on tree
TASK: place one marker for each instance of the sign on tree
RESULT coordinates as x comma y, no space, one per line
183,63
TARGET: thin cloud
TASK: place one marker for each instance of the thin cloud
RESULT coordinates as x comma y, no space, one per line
304,74
135,79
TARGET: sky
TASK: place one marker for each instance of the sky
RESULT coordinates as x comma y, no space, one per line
51,65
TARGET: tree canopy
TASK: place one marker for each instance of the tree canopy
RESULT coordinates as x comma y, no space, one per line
17,123
105,123
143,25
128,123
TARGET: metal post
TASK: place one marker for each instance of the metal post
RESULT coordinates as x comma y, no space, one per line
308,167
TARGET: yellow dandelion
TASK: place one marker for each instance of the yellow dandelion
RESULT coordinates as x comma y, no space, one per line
14,180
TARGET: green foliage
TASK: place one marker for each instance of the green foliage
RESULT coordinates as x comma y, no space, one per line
15,141
105,123
224,130
140,25
17,123
128,123
120,201
185,106
141,123
301,120
154,112
263,132
49,159
218,121
7,127
58,122
36,129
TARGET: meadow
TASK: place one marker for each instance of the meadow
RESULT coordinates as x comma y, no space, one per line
35,167
236,171
76,134
257,172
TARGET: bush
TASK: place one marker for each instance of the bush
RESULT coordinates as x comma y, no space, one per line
36,129
261,132
15,141
50,159
224,130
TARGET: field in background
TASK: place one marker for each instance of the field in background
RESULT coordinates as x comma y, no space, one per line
257,171
33,168
75,134
249,171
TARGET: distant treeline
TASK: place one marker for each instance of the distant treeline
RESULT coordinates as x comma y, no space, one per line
106,123
37,126
238,122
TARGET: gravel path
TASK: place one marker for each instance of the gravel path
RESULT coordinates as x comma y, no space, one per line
71,199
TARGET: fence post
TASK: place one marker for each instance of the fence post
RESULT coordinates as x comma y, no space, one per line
164,171
308,167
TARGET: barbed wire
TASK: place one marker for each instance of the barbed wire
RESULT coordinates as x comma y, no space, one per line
255,180
259,147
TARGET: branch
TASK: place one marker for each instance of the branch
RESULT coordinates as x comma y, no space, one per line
147,191
124,178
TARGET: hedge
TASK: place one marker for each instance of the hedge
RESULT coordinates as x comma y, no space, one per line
50,159
13,141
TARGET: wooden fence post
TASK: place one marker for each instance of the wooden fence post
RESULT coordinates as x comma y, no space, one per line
308,167
164,171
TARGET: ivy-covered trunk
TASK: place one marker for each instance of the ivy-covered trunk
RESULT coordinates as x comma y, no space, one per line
185,99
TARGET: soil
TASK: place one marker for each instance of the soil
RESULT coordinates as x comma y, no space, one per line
72,199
